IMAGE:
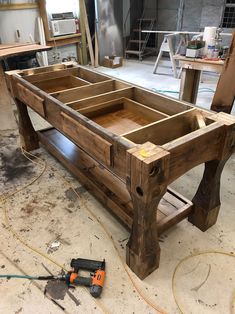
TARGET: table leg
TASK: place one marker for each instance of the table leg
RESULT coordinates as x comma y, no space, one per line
28,136
143,250
207,198
147,184
189,84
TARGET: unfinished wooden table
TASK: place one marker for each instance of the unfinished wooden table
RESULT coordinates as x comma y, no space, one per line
191,73
127,145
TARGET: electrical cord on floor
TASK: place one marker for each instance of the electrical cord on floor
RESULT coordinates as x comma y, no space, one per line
19,277
4,198
14,233
46,295
165,91
174,290
150,303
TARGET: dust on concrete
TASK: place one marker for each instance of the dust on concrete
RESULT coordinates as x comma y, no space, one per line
206,304
19,310
28,209
58,289
71,195
13,165
35,206
81,190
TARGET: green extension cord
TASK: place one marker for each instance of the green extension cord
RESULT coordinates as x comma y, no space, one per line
201,90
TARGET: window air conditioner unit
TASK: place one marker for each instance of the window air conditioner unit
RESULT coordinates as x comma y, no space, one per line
63,27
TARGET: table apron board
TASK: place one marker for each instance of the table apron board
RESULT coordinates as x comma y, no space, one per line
194,65
127,145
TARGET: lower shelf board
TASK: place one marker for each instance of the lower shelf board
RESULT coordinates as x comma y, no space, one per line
104,185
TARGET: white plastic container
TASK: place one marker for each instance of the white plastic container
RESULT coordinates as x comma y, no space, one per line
210,51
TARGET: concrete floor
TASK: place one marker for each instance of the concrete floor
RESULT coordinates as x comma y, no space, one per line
49,211
141,73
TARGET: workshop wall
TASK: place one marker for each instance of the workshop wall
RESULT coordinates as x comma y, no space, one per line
192,15
23,20
64,53
132,10
165,11
211,12
196,14
126,17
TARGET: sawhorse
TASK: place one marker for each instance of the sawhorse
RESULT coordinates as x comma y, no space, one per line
167,46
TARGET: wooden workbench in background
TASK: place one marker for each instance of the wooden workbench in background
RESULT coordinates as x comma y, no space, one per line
191,73
16,49
12,50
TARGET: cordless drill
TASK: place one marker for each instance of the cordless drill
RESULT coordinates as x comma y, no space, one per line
95,281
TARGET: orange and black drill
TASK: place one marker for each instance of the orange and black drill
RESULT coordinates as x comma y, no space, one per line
96,279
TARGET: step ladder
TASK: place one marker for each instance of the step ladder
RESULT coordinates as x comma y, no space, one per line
137,44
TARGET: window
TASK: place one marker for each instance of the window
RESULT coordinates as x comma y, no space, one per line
228,20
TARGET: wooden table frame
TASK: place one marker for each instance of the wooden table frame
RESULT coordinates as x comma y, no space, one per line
129,172
191,74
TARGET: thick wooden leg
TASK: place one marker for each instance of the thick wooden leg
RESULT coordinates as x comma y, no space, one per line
28,136
148,171
143,250
207,198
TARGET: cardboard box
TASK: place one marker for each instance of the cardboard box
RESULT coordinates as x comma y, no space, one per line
112,62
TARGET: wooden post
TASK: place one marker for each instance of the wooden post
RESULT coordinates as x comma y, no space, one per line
83,33
189,83
43,14
207,198
96,50
147,168
84,22
28,136
79,52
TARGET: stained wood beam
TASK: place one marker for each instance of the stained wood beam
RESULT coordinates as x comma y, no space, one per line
18,6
